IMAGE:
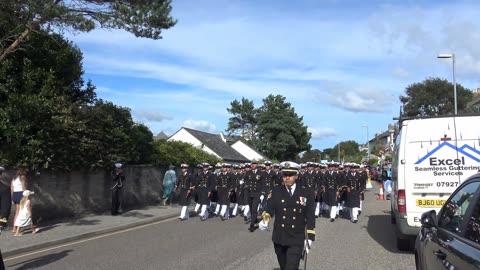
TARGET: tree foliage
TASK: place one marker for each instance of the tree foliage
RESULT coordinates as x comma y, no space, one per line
243,122
176,153
51,120
21,18
280,131
314,155
433,96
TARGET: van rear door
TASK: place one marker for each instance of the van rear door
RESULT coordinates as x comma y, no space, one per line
440,154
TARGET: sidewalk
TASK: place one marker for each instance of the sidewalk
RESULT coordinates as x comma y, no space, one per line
76,229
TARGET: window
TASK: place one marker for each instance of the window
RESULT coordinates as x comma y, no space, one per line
472,231
454,210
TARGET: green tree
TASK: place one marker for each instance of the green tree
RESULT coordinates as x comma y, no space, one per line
50,120
433,96
21,18
243,121
311,156
281,133
175,153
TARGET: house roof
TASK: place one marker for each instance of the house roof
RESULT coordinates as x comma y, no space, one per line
161,136
238,138
217,145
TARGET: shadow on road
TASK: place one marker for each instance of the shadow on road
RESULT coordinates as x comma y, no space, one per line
42,261
381,230
136,214
84,222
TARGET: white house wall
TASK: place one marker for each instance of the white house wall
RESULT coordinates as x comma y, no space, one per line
184,136
246,151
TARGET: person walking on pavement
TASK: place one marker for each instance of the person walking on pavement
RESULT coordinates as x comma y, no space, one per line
168,185
184,187
117,193
24,217
293,207
18,186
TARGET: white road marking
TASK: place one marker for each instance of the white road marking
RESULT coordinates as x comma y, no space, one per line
86,240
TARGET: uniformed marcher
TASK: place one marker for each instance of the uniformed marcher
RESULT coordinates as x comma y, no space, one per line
354,187
255,186
224,187
117,196
330,196
293,207
204,190
184,187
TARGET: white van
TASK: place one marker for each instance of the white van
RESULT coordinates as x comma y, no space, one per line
432,156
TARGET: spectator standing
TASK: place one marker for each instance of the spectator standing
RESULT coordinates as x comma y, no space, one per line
5,205
5,202
117,193
17,187
24,217
168,184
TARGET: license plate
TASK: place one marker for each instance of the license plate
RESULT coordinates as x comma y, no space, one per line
430,203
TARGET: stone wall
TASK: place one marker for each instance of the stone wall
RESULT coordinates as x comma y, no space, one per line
63,195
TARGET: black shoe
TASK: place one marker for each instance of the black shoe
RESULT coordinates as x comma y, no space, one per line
251,229
247,221
355,221
332,220
359,213
316,216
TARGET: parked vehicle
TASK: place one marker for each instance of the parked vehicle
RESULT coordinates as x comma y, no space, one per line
432,157
451,240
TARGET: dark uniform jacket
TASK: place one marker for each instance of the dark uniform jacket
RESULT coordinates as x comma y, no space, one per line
269,180
255,183
354,187
293,215
331,183
224,185
183,185
278,178
204,184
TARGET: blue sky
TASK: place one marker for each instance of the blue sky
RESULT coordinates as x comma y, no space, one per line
341,64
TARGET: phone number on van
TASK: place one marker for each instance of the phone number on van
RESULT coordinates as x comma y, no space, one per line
447,184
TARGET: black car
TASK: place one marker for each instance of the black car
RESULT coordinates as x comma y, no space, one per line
451,239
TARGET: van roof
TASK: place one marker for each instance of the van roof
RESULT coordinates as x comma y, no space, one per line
401,119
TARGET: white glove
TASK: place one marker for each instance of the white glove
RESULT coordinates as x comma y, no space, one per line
241,182
263,226
261,198
308,245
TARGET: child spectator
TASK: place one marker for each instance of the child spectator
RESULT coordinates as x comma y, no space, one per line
24,217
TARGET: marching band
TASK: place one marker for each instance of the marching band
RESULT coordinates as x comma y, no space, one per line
338,189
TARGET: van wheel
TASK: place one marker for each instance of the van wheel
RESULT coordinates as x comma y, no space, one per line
403,244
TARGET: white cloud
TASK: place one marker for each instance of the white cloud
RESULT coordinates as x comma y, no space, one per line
151,116
200,125
322,133
354,98
400,72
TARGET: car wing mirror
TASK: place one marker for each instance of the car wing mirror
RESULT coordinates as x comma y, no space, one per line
429,219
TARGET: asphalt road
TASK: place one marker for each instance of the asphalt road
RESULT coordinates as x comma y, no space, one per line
216,244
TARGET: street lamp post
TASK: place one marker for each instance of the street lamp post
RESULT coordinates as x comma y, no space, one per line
368,144
452,55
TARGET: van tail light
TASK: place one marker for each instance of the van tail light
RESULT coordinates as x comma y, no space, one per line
402,206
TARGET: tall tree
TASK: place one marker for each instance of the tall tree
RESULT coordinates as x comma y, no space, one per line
145,18
243,121
433,96
50,120
280,131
